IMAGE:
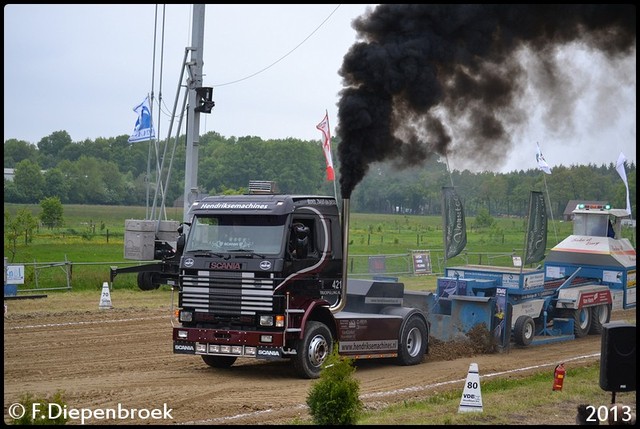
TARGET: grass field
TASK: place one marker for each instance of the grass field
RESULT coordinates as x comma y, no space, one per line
80,253
92,240
504,403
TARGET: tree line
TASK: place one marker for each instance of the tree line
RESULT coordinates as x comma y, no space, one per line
112,171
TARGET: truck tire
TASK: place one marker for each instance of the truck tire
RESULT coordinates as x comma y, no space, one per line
146,281
219,361
313,350
600,315
524,330
413,342
582,321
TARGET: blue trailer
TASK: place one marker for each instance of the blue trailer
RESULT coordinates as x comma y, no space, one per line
583,278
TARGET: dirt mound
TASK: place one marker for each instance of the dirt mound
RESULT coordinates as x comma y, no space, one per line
478,341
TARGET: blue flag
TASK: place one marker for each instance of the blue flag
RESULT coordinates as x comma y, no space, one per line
144,126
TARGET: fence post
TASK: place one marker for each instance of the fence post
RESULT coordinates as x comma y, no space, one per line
69,272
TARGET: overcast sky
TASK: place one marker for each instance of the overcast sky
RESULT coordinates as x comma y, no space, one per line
274,70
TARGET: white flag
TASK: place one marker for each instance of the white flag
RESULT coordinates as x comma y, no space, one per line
542,164
144,126
326,145
623,175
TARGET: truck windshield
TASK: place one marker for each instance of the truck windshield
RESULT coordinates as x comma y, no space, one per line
228,233
593,224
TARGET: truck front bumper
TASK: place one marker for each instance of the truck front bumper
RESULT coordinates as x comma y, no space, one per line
253,344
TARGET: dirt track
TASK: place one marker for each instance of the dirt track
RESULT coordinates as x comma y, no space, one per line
102,358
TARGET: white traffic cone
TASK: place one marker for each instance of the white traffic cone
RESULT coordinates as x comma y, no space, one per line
105,298
471,396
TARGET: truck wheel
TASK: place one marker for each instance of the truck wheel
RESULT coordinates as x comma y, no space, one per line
145,281
582,321
413,342
524,330
314,348
219,361
600,315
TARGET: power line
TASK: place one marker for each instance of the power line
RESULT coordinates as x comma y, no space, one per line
285,55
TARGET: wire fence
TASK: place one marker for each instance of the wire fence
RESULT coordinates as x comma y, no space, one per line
418,262
36,277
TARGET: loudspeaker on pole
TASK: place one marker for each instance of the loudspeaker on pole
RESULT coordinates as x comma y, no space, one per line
105,298
471,395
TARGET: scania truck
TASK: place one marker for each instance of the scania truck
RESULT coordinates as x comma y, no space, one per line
263,275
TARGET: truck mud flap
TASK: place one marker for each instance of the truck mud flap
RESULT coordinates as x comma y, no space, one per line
269,353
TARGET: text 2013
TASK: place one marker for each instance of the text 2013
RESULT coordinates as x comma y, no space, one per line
602,413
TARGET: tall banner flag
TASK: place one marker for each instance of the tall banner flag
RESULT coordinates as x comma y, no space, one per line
144,126
620,169
542,163
455,229
326,145
537,230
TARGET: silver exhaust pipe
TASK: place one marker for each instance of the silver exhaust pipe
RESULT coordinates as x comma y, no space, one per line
342,301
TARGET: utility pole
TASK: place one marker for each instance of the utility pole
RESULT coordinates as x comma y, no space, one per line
194,81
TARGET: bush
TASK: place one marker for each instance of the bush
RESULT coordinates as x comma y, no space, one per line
52,212
334,398
28,418
483,219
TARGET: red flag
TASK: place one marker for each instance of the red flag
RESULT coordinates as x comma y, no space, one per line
326,145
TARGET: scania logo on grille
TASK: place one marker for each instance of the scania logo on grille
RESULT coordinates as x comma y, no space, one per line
265,265
225,266
189,262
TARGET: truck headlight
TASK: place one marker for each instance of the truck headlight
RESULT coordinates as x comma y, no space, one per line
186,316
266,320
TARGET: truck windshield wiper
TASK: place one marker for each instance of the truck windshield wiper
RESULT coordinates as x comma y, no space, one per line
206,252
249,252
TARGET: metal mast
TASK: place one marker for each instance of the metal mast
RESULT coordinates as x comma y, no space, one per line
194,80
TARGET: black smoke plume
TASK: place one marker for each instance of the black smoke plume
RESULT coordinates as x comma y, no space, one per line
420,76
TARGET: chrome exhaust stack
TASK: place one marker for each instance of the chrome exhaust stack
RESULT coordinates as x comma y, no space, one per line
342,301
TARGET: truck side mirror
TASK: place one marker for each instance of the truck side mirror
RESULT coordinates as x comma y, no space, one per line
180,244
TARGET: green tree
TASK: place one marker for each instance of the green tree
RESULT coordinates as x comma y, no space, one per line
18,150
29,181
118,170
57,185
92,181
14,227
52,146
11,193
52,212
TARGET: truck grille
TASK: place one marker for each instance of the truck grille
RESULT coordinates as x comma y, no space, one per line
230,293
